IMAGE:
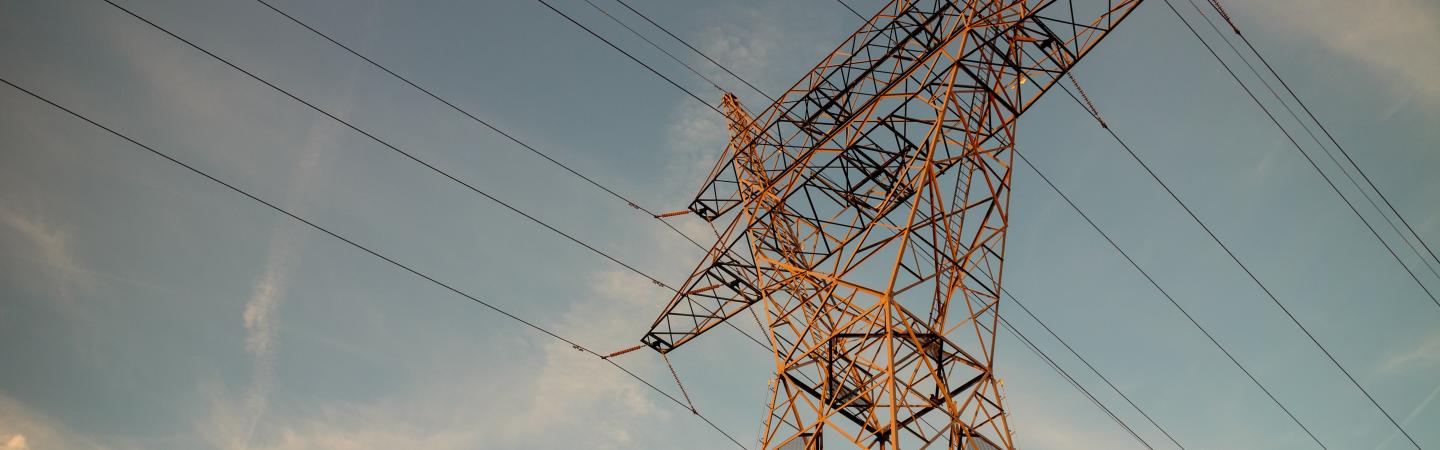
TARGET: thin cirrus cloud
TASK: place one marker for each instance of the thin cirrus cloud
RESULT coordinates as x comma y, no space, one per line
1395,40
462,401
1423,355
22,428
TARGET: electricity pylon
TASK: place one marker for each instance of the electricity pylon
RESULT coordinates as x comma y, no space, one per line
869,214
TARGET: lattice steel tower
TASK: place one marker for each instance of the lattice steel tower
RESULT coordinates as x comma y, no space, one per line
868,213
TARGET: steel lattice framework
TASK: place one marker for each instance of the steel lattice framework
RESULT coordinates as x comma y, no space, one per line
870,206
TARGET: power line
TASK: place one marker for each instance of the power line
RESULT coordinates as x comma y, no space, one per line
632,204
1242,265
697,51
1326,131
1064,374
1091,367
852,10
372,252
469,186
1061,371
1073,382
392,147
656,46
1316,139
1237,260
1168,297
1247,270
1305,154
1147,276
632,57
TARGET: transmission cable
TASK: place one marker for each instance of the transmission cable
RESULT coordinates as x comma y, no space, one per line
1244,267
1206,228
1064,374
1041,353
697,51
1061,371
1365,194
632,204
532,218
1221,9
1073,382
382,142
1312,162
1089,106
512,138
1167,296
652,279
1090,366
769,140
656,46
633,58
374,253
852,10
1237,260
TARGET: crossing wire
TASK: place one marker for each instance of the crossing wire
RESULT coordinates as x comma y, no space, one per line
1237,259
1233,257
656,46
1167,296
1073,382
410,156
1039,352
532,218
1326,131
1092,368
632,204
633,58
1331,155
1089,106
1268,87
511,137
697,51
391,72
374,253
1305,154
392,147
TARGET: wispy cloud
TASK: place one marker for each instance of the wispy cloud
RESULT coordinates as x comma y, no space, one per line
1037,427
63,275
23,428
753,46
1423,355
574,390
469,400
16,442
53,245
1410,417
1395,40
261,315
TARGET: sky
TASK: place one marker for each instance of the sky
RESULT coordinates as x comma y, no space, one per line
143,306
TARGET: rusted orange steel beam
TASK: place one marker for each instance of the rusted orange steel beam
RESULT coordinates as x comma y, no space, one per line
867,212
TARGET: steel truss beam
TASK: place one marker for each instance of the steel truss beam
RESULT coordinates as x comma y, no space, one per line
866,200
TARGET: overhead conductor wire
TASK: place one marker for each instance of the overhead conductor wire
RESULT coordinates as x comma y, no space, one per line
1061,371
512,138
1236,259
1252,276
408,155
372,252
1316,166
1226,15
1366,194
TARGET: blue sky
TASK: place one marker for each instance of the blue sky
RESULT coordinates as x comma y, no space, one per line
142,306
